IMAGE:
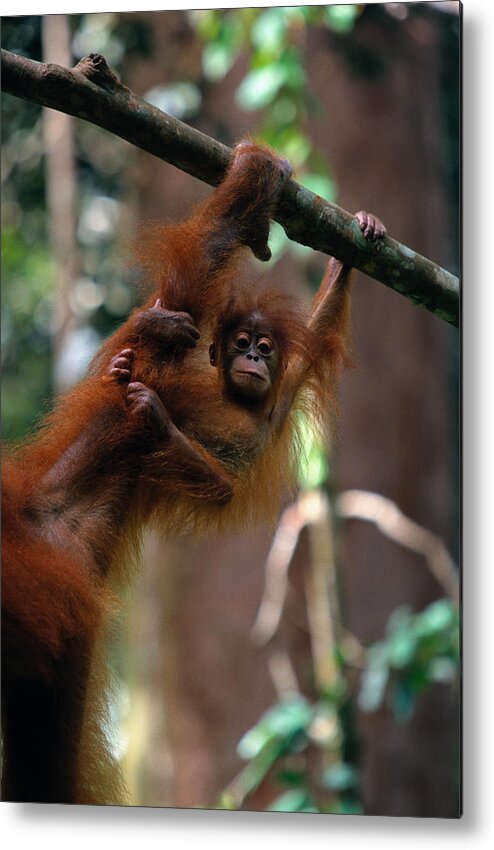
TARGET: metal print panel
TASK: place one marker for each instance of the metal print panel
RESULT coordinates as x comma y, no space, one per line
230,397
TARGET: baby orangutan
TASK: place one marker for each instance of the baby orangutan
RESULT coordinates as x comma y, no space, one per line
188,418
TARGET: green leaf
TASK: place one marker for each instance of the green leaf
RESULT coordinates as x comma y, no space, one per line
289,717
340,777
264,81
285,111
268,32
258,767
341,18
374,683
442,670
401,649
297,147
321,185
374,678
251,744
217,59
207,23
282,722
421,649
292,801
436,617
227,801
294,778
278,242
312,465
260,86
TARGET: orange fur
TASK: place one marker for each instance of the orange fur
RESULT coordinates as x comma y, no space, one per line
77,495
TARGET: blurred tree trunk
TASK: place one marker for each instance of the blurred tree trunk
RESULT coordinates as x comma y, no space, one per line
382,133
58,131
385,138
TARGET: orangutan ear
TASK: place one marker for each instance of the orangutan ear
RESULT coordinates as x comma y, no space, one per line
212,355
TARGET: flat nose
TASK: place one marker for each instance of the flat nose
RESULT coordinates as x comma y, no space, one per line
253,357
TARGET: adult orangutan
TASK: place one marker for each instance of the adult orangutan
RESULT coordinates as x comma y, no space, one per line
188,417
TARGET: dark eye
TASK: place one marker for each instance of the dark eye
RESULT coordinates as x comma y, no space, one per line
265,347
243,341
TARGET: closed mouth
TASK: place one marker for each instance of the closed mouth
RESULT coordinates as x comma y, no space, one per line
250,374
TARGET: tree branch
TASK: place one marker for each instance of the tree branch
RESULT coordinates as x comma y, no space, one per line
93,92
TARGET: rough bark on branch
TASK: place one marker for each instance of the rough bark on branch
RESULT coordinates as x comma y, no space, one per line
93,92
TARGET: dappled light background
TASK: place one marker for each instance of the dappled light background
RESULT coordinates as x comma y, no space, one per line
343,697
